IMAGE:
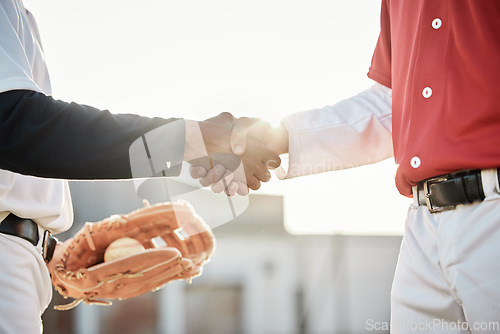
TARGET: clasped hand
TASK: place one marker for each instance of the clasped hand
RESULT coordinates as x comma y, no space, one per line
239,153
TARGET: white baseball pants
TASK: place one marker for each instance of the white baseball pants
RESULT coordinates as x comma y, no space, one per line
448,274
25,287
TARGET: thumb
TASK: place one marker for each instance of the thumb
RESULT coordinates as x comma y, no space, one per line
238,138
245,127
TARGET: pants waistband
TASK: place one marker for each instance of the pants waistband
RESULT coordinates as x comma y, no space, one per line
445,192
27,229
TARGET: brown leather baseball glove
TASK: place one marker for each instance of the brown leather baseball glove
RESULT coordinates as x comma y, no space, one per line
177,242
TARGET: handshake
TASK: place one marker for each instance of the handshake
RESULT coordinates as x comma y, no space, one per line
233,155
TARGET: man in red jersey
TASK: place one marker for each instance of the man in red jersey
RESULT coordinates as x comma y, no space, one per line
437,64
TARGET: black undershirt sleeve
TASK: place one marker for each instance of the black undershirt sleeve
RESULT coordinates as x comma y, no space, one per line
44,137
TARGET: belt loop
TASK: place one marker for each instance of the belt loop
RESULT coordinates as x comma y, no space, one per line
498,181
490,182
414,189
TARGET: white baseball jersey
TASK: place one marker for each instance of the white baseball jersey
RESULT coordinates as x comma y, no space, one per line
22,66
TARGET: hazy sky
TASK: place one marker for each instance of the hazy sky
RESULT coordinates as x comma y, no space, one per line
195,59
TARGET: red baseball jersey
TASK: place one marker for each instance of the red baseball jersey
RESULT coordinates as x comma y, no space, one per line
442,60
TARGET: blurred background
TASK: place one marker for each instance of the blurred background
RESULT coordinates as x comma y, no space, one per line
309,255
261,279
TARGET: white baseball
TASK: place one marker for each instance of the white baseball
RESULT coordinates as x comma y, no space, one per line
122,247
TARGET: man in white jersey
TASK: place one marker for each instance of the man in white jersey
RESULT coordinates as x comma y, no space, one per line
43,141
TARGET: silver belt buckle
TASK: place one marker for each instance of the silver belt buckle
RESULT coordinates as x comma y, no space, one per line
427,193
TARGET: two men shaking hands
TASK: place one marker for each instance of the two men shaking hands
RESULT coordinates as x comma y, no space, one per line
236,154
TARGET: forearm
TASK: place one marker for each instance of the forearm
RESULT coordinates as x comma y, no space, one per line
44,137
353,132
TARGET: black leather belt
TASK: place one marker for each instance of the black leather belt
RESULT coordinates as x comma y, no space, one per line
28,230
445,192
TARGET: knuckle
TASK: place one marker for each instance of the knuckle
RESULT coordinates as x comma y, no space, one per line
242,123
273,163
226,115
255,185
216,189
206,182
243,119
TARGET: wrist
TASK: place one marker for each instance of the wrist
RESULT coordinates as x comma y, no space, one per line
279,141
194,147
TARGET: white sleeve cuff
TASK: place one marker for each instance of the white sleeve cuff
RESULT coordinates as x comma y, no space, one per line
351,133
